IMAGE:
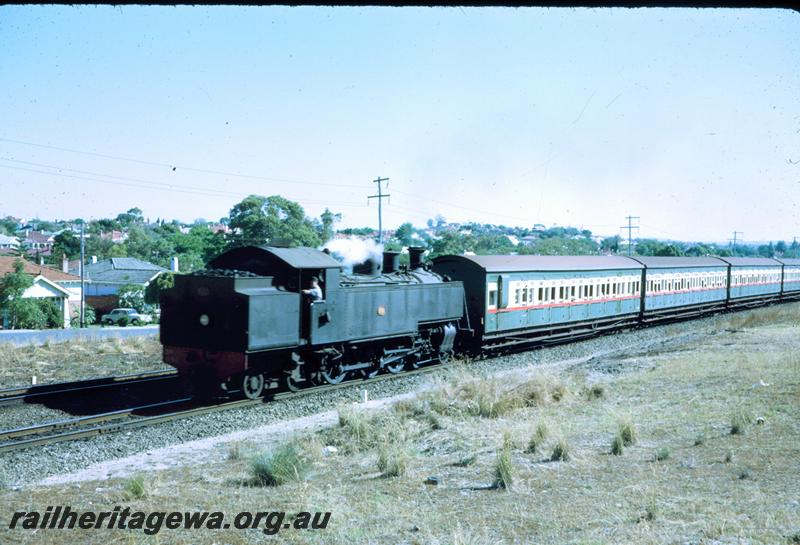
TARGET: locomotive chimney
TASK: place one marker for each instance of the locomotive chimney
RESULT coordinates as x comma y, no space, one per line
391,262
415,257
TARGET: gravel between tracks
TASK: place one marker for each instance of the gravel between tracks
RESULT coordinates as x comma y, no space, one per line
29,466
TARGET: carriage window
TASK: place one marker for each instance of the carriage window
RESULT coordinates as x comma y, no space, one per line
561,293
541,294
524,295
492,298
572,292
553,293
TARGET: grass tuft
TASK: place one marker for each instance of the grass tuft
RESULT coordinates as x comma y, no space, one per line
540,434
282,465
561,451
729,457
617,445
627,432
744,474
650,513
235,451
466,461
740,421
135,487
596,391
392,460
503,470
663,453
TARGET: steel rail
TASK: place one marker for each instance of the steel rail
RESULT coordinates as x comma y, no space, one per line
16,395
127,420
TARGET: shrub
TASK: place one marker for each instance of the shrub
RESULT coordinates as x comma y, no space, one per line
282,465
123,321
89,316
560,451
135,487
617,445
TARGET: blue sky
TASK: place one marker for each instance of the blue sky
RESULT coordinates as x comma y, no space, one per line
687,118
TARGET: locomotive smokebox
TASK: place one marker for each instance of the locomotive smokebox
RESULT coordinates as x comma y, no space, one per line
415,257
391,262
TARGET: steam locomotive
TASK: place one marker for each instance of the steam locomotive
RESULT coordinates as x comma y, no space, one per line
244,325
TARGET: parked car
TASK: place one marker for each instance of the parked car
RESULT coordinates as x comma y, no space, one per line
133,317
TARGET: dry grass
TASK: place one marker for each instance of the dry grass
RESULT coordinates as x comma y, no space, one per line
75,360
690,496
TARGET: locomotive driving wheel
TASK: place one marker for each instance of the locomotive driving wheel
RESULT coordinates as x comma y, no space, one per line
396,367
252,385
333,375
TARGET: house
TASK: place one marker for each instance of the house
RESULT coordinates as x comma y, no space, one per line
49,283
105,278
116,237
8,244
38,243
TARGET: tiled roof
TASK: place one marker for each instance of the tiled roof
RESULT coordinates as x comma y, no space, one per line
7,266
122,270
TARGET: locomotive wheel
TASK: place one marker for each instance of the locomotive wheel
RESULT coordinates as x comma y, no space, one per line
397,367
334,375
252,385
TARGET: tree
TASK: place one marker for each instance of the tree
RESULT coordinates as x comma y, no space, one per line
610,244
258,220
329,219
12,286
66,244
133,296
21,312
404,234
133,216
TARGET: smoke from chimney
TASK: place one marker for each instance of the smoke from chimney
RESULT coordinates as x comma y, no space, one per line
352,251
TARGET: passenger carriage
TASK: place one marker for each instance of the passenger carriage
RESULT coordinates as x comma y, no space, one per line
514,300
683,286
753,280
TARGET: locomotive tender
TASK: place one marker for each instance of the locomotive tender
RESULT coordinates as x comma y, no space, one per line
245,324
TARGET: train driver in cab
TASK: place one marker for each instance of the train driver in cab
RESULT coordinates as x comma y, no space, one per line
314,292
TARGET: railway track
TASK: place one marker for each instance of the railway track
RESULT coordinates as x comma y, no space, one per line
127,419
10,396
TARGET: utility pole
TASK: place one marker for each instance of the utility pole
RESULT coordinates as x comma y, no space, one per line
733,251
380,196
630,227
83,318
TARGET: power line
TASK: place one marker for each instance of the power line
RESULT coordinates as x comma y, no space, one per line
178,189
630,227
380,196
175,167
